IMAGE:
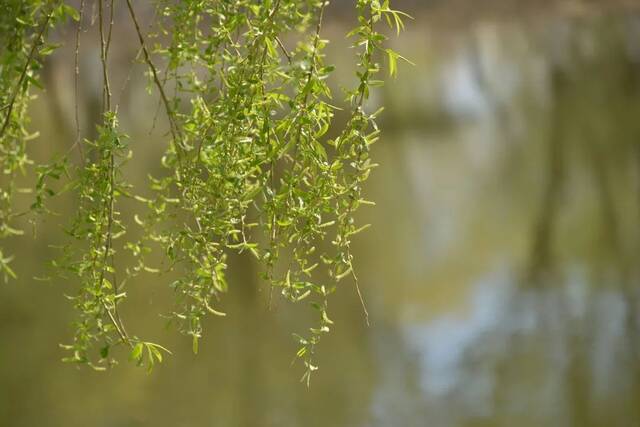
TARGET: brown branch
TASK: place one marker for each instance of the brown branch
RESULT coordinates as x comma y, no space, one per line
107,249
76,79
284,50
106,90
130,70
108,244
175,131
108,45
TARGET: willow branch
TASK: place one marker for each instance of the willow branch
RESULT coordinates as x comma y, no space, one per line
106,90
23,74
76,79
175,131
108,243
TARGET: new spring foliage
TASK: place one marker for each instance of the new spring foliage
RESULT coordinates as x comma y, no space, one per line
249,167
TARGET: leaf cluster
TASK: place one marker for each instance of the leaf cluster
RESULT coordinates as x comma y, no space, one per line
254,161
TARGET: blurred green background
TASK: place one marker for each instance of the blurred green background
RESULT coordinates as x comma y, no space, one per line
501,271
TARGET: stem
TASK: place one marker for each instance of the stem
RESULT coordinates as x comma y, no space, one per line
175,131
76,83
104,44
106,90
357,112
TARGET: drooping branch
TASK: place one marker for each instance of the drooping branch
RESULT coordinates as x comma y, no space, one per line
175,129
266,179
25,69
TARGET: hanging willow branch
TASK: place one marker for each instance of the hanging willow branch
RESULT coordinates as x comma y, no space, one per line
249,166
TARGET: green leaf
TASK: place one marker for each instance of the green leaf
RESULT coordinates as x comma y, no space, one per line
194,345
136,353
66,10
393,64
104,352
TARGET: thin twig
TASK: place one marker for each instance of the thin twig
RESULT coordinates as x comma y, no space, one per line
357,112
106,90
312,68
284,50
133,62
175,131
159,104
125,339
108,245
108,45
23,74
104,45
76,83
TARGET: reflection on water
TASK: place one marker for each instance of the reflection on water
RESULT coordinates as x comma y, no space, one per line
502,270
523,310
514,351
